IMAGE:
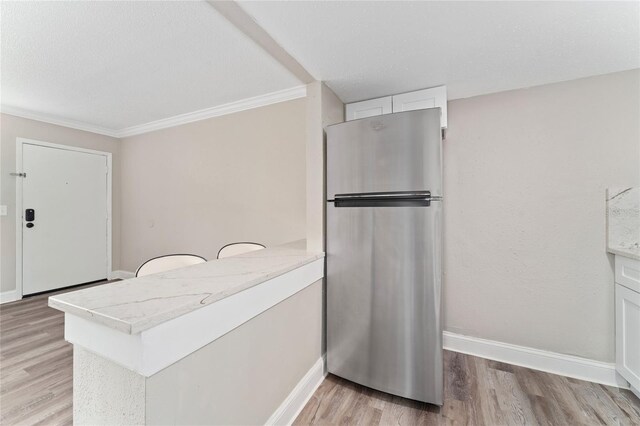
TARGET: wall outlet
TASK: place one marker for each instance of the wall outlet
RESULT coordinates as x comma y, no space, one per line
3,210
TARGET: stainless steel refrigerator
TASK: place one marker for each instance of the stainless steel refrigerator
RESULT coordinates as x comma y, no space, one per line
384,253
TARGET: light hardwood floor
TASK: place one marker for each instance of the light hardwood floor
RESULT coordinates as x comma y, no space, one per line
36,387
477,392
35,363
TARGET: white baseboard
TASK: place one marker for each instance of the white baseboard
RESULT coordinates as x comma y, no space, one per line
551,362
299,396
9,296
12,295
123,275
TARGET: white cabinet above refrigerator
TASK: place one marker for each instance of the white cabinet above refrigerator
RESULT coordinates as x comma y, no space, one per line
419,99
369,108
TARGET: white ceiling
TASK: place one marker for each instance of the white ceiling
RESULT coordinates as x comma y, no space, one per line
120,64
370,49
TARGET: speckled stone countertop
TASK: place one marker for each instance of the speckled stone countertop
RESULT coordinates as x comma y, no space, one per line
623,222
631,253
137,304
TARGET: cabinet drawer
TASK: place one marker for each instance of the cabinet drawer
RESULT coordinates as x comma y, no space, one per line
628,273
628,334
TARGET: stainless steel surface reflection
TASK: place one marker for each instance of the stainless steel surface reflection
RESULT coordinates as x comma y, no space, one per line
384,258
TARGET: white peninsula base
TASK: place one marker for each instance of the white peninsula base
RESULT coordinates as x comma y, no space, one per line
252,356
242,378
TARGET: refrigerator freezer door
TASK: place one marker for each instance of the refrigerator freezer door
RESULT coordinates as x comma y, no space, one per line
383,298
387,153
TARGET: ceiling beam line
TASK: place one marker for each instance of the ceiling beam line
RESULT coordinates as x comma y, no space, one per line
247,25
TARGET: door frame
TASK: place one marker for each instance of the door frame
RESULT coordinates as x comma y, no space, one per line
20,142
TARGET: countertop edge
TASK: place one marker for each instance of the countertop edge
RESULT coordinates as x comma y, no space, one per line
624,253
87,314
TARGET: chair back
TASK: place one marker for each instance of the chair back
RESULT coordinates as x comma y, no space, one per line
168,262
235,249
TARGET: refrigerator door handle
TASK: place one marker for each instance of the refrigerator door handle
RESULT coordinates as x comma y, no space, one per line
385,199
386,195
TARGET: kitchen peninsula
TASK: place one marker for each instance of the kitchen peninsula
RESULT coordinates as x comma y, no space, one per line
194,344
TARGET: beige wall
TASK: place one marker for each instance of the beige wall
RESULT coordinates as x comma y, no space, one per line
243,377
324,108
195,187
525,179
12,127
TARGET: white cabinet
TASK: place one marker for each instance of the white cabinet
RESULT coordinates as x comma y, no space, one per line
628,273
628,322
369,108
420,99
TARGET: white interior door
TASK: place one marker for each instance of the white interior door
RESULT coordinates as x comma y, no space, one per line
66,242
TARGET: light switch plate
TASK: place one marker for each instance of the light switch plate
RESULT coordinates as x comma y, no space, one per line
3,210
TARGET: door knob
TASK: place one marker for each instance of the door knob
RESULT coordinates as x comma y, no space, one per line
30,225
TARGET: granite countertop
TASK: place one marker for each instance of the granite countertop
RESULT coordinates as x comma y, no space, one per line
630,252
137,304
623,222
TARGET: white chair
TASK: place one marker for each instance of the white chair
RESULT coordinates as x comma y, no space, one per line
235,249
168,262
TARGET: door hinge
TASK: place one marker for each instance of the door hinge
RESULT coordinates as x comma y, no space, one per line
18,174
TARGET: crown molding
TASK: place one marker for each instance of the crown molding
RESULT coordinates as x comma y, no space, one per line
190,117
64,122
230,108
